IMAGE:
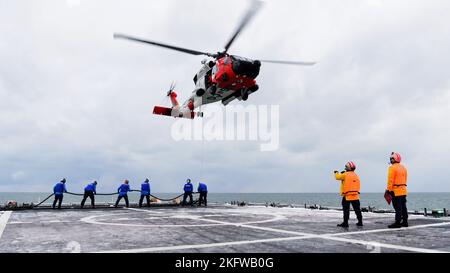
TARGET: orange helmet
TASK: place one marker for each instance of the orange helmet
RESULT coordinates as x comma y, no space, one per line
350,166
396,157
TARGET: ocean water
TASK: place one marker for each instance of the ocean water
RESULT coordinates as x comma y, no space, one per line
416,201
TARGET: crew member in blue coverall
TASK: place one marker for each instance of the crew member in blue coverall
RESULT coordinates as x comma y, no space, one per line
59,189
145,192
89,191
123,193
203,191
188,189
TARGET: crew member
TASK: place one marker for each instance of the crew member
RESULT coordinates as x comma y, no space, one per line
396,187
350,187
203,191
89,191
59,189
123,193
188,189
145,192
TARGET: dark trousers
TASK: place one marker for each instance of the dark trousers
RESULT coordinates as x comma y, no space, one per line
58,198
124,197
202,198
356,207
89,194
186,194
401,212
142,199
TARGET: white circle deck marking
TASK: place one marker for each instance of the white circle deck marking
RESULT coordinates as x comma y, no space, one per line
93,220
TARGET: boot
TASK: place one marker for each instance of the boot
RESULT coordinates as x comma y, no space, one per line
405,224
343,225
395,225
359,224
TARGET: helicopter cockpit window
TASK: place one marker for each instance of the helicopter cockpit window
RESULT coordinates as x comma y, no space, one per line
227,60
239,58
214,71
245,67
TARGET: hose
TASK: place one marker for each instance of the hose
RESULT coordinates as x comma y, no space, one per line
161,199
81,194
166,200
44,200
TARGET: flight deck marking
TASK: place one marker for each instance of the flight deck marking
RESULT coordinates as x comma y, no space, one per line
390,229
256,227
181,247
312,236
4,217
274,240
91,220
303,236
324,235
333,237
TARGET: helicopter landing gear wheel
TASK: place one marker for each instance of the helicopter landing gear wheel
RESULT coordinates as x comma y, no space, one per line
200,92
244,94
254,88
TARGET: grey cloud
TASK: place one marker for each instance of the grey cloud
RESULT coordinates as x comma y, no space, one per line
76,103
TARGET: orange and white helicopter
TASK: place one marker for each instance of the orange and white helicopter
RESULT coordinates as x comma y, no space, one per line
223,78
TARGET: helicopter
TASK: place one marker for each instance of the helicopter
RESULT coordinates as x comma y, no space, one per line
224,77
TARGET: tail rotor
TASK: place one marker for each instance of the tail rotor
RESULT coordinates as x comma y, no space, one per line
171,89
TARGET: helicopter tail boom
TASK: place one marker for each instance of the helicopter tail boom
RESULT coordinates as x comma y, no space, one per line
173,99
173,112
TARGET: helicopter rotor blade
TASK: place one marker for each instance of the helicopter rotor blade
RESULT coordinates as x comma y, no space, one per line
180,49
254,8
288,62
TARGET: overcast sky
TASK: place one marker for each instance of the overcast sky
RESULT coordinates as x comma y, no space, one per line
75,103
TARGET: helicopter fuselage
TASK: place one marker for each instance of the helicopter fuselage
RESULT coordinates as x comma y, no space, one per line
226,79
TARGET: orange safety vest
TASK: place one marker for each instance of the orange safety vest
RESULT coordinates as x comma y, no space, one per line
351,185
397,179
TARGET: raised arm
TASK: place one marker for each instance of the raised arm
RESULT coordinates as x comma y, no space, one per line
339,176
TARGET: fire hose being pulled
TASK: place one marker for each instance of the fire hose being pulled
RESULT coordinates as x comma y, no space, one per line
110,194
